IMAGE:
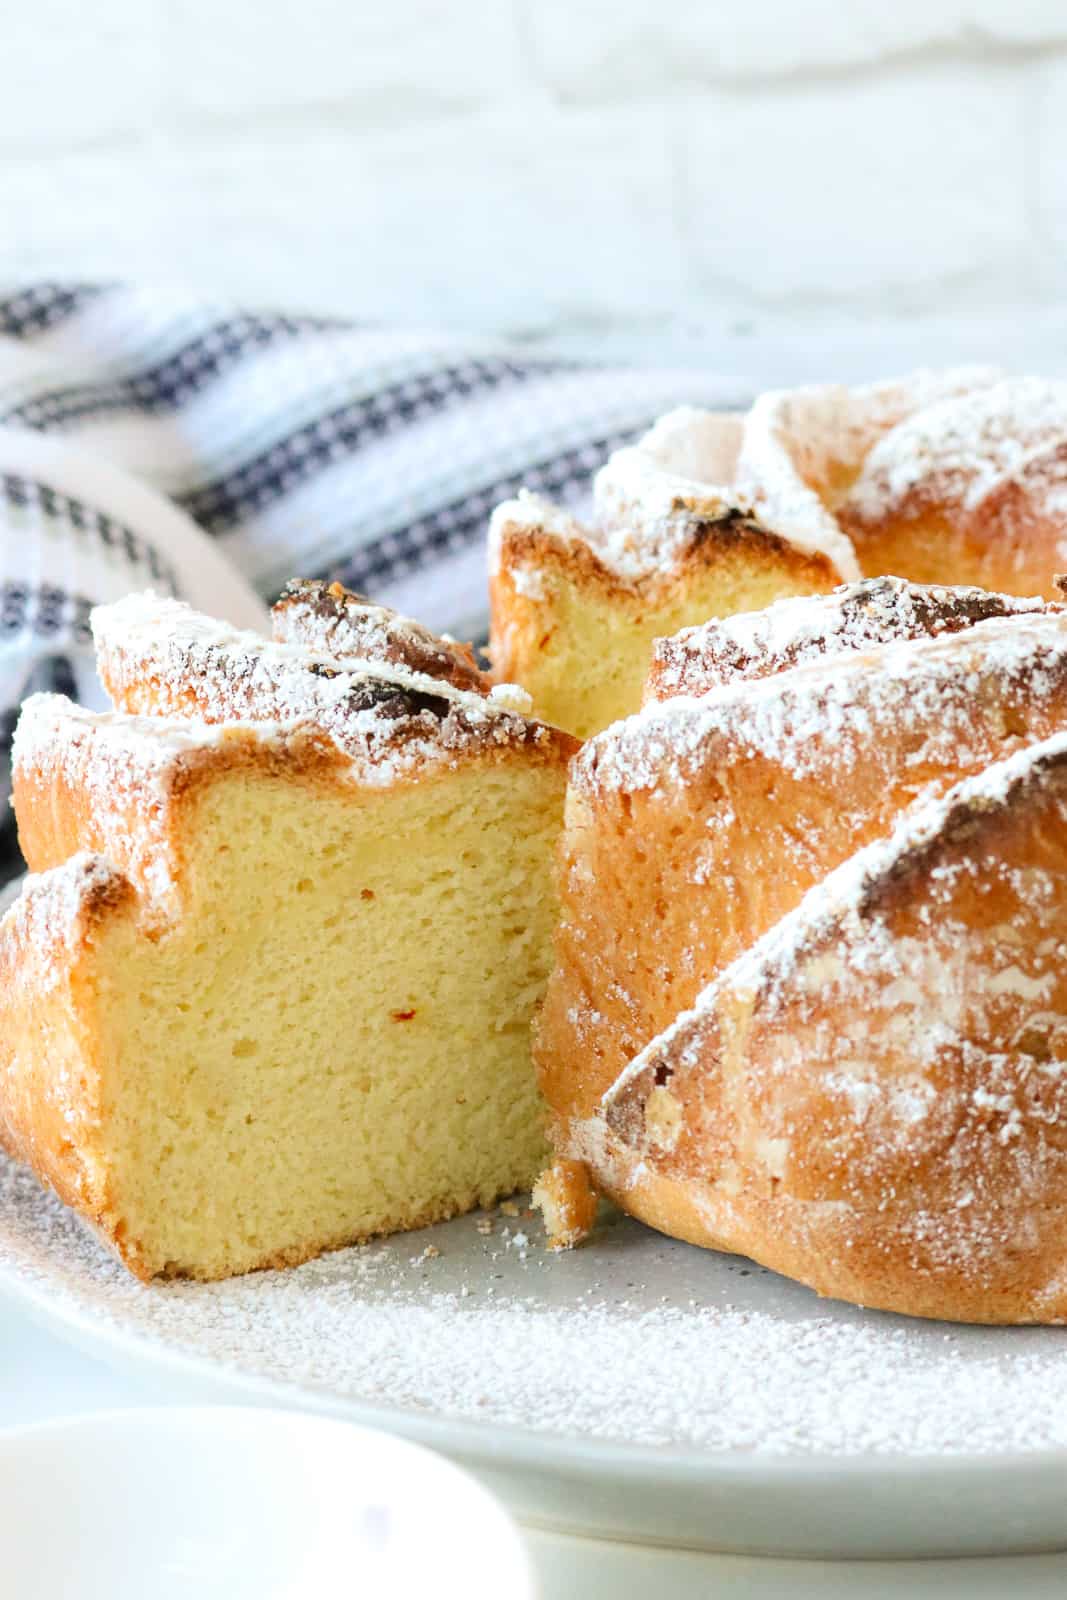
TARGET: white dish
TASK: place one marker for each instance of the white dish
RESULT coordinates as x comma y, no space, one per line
233,1503
635,1388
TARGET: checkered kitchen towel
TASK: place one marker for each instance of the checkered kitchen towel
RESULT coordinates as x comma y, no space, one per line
149,440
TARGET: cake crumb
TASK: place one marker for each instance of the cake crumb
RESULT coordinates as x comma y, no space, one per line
568,1202
509,1208
511,697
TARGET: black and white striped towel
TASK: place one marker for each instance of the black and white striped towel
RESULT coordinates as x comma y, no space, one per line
150,440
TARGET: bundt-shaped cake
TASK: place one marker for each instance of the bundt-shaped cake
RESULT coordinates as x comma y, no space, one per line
269,990
810,1000
957,477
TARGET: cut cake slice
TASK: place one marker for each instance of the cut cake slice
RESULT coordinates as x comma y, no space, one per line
270,988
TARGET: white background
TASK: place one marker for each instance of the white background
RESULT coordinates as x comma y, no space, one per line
777,187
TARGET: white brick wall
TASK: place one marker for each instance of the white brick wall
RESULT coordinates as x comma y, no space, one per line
905,188
609,47
750,181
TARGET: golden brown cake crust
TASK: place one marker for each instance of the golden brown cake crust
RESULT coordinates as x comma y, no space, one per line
955,477
576,631
696,833
50,1105
518,618
800,631
970,487
706,542
118,786
329,618
903,1152
707,820
159,658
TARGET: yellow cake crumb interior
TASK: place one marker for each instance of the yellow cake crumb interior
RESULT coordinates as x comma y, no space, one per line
591,668
333,1038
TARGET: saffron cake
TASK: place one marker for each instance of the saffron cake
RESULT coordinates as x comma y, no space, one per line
269,988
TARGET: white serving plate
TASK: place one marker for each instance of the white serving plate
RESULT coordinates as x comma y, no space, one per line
636,1388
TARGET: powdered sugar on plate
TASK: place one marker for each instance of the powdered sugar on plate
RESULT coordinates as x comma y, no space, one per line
631,1340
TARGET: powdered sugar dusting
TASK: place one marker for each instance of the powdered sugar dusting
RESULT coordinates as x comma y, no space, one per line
962,448
529,512
638,532
780,464
632,1340
935,689
649,497
332,621
159,655
127,767
788,466
801,445
773,963
893,1052
148,741
795,632
48,910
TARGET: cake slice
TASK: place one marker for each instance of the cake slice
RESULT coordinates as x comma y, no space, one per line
269,990
575,608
